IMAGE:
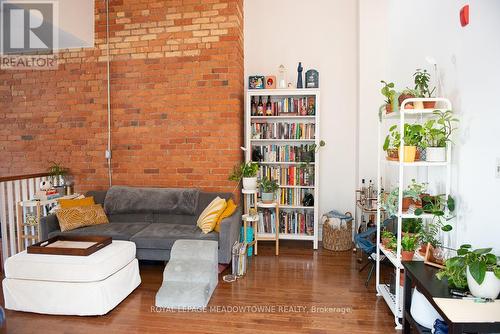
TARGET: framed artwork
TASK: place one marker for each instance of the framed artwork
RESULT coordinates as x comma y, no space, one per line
256,82
270,82
312,79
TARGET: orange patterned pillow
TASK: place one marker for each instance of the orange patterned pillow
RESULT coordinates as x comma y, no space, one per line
80,216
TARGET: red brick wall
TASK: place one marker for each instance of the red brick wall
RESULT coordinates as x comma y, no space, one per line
176,100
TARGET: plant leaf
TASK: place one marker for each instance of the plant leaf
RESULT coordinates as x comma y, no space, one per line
419,211
451,203
466,246
491,259
478,271
496,270
482,251
462,251
447,228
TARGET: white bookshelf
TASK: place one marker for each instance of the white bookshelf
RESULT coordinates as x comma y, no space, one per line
250,143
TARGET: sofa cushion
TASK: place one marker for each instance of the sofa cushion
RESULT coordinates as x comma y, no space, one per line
206,198
131,218
165,218
121,199
163,236
80,216
118,231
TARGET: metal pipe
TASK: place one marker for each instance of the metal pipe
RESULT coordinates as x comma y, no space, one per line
108,151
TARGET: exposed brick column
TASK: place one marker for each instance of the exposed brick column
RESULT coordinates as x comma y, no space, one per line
176,96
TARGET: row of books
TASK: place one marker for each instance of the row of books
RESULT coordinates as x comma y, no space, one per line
292,196
264,130
293,105
295,222
285,153
288,176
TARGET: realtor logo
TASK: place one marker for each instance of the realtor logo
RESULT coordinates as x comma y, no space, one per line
28,33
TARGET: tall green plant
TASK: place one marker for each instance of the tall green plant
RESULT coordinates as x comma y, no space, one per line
437,132
388,91
422,79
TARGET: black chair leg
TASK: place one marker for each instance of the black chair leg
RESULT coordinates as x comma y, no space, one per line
366,265
370,274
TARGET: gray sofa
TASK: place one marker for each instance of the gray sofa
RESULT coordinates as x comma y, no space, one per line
154,218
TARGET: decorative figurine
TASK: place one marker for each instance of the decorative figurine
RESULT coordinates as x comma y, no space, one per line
270,82
290,85
282,77
256,82
299,77
312,79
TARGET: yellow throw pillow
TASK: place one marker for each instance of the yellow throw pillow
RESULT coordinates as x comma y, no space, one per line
230,209
80,216
71,203
208,218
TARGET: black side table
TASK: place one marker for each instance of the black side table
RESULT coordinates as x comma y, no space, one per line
424,278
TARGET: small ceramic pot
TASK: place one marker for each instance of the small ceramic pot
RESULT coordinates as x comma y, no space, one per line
429,104
409,153
250,183
388,108
436,154
407,255
267,197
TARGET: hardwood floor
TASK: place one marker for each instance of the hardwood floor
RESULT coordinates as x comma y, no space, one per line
326,284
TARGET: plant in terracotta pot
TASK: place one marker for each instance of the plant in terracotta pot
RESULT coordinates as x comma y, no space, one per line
426,236
246,172
387,237
422,79
411,226
392,143
437,135
392,245
407,94
408,247
268,189
389,94
479,270
411,196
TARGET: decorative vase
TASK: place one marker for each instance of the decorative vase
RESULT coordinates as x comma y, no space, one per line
250,183
407,255
409,153
490,288
421,154
267,197
436,154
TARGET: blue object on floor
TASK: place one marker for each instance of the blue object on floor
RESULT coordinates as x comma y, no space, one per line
249,238
440,327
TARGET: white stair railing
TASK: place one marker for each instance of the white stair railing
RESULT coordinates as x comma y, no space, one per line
12,190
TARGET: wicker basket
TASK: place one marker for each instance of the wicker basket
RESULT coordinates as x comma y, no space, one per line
338,239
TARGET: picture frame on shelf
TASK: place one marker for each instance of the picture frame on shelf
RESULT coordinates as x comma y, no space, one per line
256,82
271,82
312,79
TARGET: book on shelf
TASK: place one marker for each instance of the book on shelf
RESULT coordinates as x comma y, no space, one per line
296,222
284,153
289,106
288,175
265,130
267,221
292,196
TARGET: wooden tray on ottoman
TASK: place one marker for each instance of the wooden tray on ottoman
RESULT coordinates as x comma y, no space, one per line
70,245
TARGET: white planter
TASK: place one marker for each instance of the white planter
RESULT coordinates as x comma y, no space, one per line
250,183
436,154
422,311
490,288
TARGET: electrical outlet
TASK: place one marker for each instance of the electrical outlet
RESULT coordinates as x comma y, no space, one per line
108,154
498,168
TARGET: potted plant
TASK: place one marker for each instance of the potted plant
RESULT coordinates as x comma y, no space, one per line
422,78
392,143
442,208
411,226
437,133
248,172
412,137
392,245
269,188
57,174
479,270
427,236
411,196
407,94
386,237
408,247
389,93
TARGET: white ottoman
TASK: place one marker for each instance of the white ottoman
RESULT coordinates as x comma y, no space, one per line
71,285
191,275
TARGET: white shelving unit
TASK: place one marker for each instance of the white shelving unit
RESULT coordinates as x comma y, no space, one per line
250,143
394,301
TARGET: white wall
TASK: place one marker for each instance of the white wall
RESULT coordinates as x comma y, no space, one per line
469,61
322,34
